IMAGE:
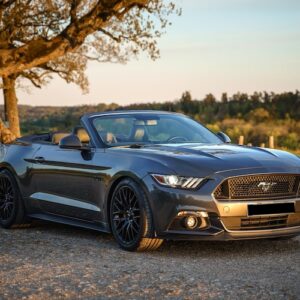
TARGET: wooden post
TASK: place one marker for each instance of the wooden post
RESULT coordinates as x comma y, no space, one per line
263,145
271,142
241,140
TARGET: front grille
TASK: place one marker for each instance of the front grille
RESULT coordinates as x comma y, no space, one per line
265,186
263,222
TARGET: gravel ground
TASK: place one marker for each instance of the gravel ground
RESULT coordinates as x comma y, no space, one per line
54,261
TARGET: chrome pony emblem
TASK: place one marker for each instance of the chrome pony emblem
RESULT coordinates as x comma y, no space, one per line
265,186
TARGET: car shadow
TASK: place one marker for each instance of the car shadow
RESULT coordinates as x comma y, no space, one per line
177,248
230,248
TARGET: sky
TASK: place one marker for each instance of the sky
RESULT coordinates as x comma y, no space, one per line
215,46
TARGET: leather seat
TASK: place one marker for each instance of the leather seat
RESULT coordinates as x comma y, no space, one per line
82,134
57,136
138,134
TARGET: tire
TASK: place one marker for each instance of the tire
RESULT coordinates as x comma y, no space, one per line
12,213
131,218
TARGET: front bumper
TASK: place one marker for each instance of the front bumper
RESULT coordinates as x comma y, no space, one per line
223,235
224,217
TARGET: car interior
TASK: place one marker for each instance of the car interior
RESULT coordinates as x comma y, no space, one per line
55,137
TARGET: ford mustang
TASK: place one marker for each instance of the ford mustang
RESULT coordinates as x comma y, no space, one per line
149,176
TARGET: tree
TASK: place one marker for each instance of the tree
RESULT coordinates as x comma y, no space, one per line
209,99
34,33
224,98
186,102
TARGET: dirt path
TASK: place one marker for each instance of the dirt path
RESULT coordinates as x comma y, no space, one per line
64,262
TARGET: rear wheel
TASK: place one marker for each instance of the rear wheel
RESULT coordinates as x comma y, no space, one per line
131,219
12,212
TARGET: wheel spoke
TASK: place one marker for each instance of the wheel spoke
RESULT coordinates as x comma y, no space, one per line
121,225
134,228
118,209
7,198
134,202
124,198
127,238
136,224
120,219
132,232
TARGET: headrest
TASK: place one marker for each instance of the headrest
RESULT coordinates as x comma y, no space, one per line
56,137
82,134
139,134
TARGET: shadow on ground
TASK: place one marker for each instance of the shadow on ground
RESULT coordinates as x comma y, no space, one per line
180,248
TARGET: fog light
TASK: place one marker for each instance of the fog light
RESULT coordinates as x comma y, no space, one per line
191,222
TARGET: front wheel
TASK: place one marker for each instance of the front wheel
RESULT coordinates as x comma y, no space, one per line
131,219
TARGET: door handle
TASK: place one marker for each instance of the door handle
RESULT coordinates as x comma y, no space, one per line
39,159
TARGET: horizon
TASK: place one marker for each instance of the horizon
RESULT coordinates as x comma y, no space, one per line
214,47
218,99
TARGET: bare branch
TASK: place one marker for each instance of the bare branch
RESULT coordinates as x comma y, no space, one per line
116,39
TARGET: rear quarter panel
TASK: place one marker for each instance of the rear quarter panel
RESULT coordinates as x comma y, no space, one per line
16,158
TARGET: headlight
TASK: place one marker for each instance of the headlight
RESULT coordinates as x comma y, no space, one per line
178,181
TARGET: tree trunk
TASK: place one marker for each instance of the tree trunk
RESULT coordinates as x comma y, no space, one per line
11,104
6,136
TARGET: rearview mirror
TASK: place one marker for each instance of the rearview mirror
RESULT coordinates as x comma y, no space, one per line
224,137
70,142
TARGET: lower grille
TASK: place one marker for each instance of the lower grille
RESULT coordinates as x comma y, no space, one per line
264,186
263,222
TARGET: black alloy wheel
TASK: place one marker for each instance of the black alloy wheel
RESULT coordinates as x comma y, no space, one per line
7,199
131,219
126,214
12,213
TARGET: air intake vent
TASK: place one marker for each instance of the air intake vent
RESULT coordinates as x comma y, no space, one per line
263,222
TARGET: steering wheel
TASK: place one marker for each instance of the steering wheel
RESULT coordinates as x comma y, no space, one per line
176,138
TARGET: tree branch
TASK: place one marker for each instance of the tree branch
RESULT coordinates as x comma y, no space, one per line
40,50
5,4
33,77
116,39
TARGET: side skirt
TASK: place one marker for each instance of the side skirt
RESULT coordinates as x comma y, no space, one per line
102,227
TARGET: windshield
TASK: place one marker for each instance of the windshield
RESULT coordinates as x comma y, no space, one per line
128,129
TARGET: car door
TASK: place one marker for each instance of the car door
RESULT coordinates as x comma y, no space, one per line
69,182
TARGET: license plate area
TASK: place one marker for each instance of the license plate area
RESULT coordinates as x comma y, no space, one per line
270,209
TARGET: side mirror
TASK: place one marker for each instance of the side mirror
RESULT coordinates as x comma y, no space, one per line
224,137
70,142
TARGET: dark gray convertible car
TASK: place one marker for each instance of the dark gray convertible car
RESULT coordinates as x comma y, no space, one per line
147,176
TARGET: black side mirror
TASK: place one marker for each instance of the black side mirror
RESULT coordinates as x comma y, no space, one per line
70,142
224,137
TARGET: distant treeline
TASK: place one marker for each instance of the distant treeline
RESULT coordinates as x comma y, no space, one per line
255,116
262,106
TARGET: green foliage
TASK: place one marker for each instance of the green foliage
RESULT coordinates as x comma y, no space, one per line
255,116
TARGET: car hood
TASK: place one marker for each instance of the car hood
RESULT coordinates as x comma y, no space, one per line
203,158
